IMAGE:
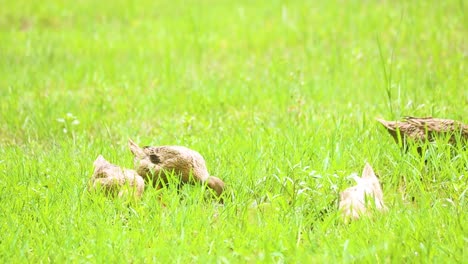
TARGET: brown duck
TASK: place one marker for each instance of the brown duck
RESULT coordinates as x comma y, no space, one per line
424,129
156,163
114,180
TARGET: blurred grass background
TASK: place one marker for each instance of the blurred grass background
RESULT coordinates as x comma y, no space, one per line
280,98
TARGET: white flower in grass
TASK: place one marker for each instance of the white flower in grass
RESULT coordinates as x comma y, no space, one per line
67,122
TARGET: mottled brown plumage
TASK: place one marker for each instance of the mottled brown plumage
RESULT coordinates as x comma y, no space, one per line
114,180
157,163
422,129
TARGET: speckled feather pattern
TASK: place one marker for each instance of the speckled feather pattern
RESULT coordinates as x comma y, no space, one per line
425,128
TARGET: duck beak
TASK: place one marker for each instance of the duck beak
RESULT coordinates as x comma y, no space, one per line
135,149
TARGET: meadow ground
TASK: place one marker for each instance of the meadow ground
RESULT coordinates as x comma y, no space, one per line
280,98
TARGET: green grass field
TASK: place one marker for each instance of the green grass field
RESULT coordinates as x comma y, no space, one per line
279,97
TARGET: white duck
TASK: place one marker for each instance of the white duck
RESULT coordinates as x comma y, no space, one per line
355,200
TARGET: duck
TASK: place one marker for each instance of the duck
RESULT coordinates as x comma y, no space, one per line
114,180
425,129
354,201
156,163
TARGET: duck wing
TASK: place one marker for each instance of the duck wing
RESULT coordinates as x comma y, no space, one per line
158,155
433,124
439,126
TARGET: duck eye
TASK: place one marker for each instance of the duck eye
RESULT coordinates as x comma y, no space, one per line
154,159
